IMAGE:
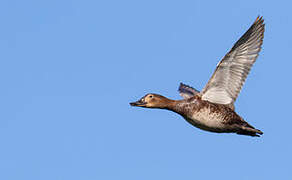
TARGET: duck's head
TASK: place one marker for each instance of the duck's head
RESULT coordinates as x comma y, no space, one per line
152,101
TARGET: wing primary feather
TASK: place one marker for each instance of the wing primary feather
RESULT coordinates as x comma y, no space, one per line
231,72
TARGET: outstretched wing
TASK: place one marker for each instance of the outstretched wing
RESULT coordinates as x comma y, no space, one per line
230,74
187,91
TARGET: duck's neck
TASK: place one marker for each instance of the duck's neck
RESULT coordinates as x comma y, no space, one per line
173,105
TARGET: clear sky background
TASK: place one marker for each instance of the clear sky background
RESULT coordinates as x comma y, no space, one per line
69,69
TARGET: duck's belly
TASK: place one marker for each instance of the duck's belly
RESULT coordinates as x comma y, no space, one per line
209,121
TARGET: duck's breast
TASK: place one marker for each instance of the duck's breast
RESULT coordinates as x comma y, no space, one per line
208,119
206,115
209,116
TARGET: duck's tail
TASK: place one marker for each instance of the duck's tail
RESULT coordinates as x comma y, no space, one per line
250,131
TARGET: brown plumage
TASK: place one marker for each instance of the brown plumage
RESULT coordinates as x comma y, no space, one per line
212,109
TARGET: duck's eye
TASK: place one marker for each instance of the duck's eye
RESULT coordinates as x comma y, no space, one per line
151,96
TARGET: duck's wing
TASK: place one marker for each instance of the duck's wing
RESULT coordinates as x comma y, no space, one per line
187,91
231,72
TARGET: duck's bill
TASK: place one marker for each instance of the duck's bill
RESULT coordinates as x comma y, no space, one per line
138,103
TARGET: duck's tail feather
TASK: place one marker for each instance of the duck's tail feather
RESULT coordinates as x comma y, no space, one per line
250,131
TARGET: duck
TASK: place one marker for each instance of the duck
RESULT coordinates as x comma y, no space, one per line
212,108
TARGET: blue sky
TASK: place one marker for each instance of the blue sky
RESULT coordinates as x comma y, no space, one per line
69,69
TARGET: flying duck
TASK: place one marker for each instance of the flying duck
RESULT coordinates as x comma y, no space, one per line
212,109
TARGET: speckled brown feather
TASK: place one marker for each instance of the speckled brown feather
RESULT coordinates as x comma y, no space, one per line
231,121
